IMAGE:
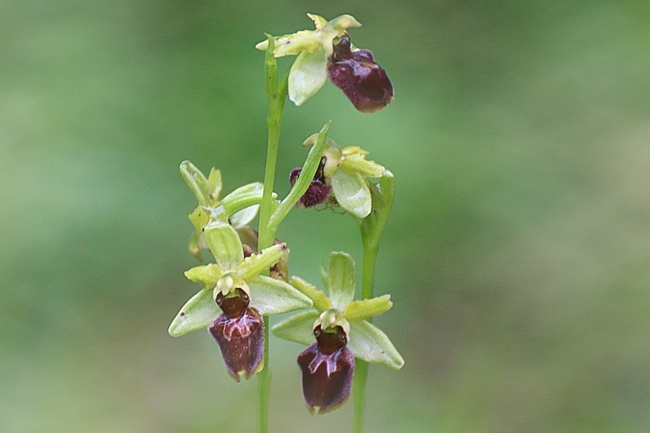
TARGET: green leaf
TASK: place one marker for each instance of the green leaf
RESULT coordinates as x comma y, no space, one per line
197,313
254,265
342,279
358,311
308,74
298,328
352,193
318,297
271,296
369,343
225,245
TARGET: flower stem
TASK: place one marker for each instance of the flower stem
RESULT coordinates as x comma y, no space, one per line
372,227
277,94
370,251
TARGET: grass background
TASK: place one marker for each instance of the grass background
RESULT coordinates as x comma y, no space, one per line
517,254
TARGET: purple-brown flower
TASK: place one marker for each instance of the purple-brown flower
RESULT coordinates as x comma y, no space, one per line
363,81
327,369
319,190
239,330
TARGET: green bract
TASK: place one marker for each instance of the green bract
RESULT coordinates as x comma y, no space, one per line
309,72
365,340
230,271
239,207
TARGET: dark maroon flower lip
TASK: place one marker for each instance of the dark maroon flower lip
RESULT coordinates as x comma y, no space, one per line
239,331
327,370
356,73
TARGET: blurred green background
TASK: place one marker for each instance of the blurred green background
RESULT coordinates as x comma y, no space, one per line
517,254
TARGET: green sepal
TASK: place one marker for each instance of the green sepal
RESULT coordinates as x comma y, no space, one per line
225,245
206,275
308,74
215,185
197,182
252,266
197,313
352,193
271,296
341,279
318,297
242,198
304,180
298,328
369,343
357,311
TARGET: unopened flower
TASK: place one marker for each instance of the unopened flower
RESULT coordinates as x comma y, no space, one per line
363,81
339,325
327,51
237,208
234,298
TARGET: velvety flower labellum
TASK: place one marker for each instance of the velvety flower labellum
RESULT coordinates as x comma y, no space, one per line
318,192
239,330
327,369
362,80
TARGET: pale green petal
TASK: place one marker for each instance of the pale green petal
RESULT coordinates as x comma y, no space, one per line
244,217
197,313
299,328
369,343
271,296
319,21
352,193
254,265
357,163
207,275
225,245
358,311
342,279
308,74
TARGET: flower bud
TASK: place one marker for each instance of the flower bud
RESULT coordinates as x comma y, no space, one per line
327,368
362,80
239,331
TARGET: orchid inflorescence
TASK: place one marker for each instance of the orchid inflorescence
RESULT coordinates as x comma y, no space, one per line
244,283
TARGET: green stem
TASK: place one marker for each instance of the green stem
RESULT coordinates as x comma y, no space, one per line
372,227
370,250
277,94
